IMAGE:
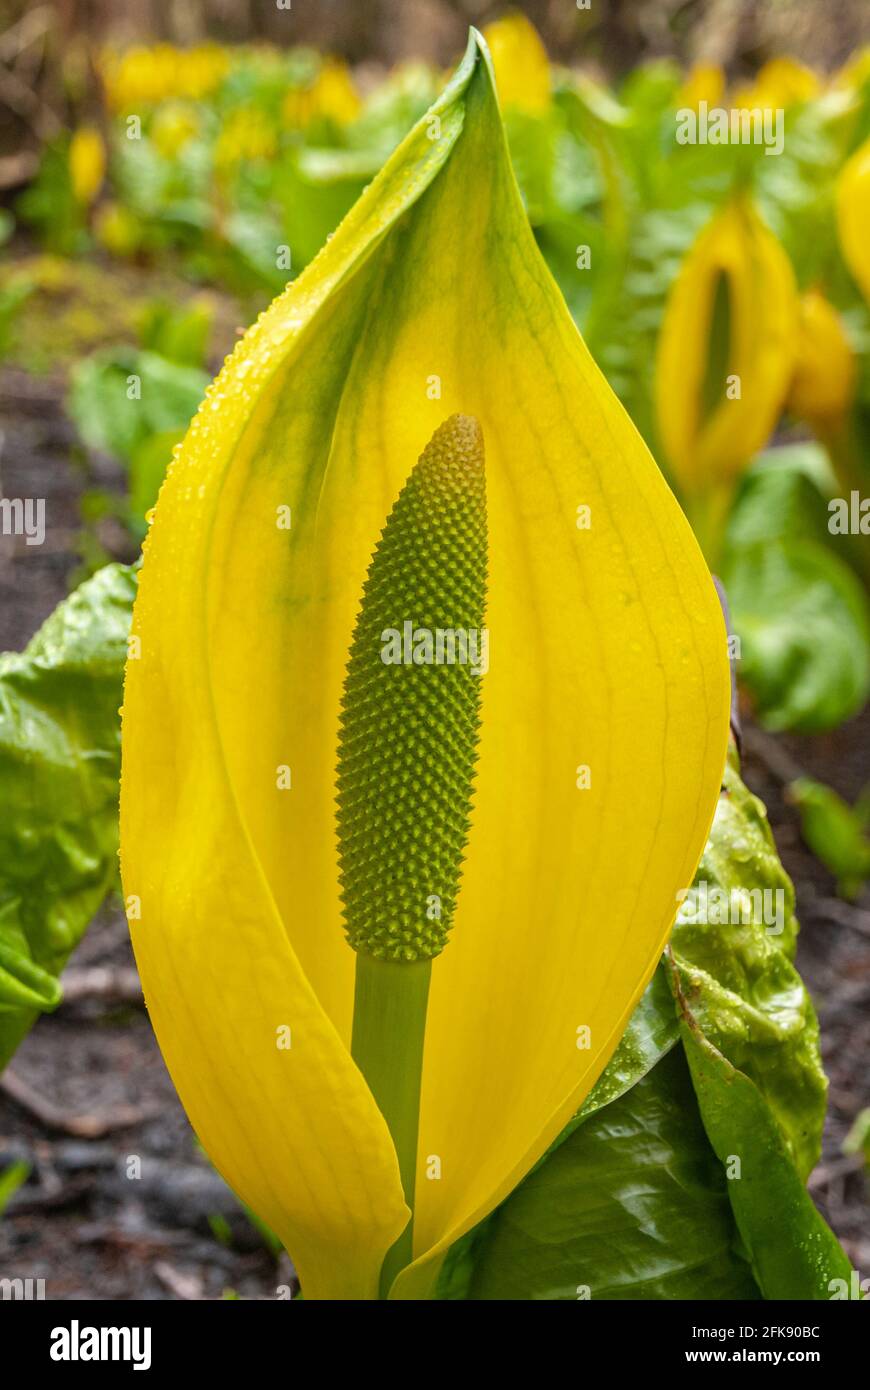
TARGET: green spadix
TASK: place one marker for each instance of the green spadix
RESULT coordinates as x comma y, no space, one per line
411,706
407,748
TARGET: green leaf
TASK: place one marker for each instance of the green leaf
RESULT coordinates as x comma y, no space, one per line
532,141
59,766
14,294
179,334
48,203
317,190
101,410
255,239
804,627
11,1179
745,992
857,1141
393,108
171,393
116,414
794,1254
784,495
632,1205
652,1031
148,465
837,834
797,189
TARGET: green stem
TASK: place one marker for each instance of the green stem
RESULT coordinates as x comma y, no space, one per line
389,1027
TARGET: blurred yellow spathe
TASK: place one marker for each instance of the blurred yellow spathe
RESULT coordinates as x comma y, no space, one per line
726,349
87,164
522,68
823,385
853,216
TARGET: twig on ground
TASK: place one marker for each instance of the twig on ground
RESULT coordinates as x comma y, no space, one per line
144,1242
54,1117
18,168
112,984
184,1286
835,1170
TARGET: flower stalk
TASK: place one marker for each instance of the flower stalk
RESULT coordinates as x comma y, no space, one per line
389,1029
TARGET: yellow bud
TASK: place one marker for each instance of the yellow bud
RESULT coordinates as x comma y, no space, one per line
337,95
117,229
331,96
173,126
87,164
705,82
785,82
522,68
823,383
246,136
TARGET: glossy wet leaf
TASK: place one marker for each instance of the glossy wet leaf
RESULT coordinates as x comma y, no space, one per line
59,767
632,1206
739,975
793,1252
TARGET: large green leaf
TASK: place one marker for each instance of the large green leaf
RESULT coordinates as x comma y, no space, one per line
784,494
632,1201
803,619
652,1031
317,190
59,767
804,627
148,464
632,1205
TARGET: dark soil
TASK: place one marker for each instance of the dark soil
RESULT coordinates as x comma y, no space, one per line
84,1221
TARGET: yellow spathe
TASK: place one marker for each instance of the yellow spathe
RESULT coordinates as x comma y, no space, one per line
607,649
779,83
709,443
331,95
144,76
